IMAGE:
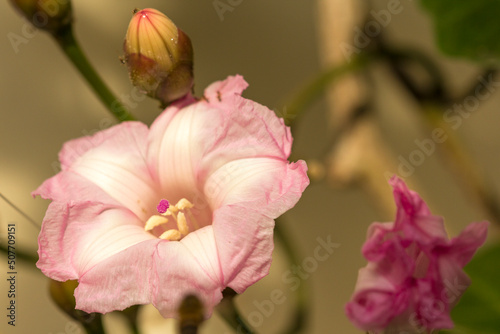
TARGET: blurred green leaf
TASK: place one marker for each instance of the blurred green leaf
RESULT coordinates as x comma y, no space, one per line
466,28
479,308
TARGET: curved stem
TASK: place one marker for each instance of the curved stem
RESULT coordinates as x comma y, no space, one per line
94,324
131,314
474,87
455,155
459,161
317,85
227,309
72,50
21,255
21,212
396,59
301,310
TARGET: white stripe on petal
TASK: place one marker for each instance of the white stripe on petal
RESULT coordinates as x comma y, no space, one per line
115,230
243,180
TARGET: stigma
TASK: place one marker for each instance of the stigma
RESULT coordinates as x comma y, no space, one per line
163,206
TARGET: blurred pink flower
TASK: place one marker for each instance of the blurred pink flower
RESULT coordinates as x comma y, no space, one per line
144,215
414,274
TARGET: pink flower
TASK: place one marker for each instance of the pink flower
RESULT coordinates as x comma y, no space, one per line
144,215
414,274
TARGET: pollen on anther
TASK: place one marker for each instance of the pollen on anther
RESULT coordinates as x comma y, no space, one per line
163,206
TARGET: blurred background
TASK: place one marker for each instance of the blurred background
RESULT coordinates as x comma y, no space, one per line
362,129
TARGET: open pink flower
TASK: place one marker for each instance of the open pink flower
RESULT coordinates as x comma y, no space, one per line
144,215
415,273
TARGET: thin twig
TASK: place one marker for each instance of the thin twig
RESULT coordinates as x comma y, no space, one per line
301,311
227,309
21,212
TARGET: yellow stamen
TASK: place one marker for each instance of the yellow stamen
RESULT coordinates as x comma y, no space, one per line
170,211
154,221
182,223
171,235
184,204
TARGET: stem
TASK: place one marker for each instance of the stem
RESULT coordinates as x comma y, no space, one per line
94,324
460,162
455,155
316,86
21,255
191,315
130,315
227,309
396,59
72,50
21,212
472,91
301,311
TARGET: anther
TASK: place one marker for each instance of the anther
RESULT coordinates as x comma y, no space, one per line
184,204
154,221
171,235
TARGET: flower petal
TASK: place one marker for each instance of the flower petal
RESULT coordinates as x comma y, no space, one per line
225,89
463,247
377,241
431,312
67,186
203,248
77,236
247,195
376,301
408,201
414,217
187,145
154,271
175,147
115,155
245,129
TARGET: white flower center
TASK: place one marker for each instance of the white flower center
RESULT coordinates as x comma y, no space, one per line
178,214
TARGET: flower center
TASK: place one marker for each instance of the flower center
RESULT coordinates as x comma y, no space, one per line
178,214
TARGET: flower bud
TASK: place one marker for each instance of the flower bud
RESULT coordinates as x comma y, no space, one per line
48,15
191,314
159,56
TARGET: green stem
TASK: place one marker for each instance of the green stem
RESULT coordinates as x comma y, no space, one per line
21,255
21,212
317,85
227,309
135,329
398,59
72,50
130,315
301,309
94,324
472,91
460,162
